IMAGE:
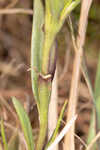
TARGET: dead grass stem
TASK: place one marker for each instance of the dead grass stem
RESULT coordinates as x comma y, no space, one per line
69,139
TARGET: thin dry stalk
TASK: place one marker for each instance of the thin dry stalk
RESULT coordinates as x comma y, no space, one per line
53,115
69,139
83,143
16,11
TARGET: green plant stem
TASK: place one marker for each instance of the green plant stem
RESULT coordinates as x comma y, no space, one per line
44,93
51,29
43,59
46,52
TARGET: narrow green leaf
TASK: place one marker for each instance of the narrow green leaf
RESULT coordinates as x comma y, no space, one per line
56,6
97,81
68,8
92,130
14,142
57,126
37,45
97,97
25,123
98,112
3,136
95,121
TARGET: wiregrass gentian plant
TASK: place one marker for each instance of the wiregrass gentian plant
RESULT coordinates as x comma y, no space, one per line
47,22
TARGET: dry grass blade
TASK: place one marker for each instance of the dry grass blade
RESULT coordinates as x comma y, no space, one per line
52,120
69,139
16,11
83,65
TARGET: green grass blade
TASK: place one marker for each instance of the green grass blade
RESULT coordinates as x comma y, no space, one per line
97,93
57,126
37,45
56,6
95,121
97,81
68,8
3,136
25,123
98,112
92,130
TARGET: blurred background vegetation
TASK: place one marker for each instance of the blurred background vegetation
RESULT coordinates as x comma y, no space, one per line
15,41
